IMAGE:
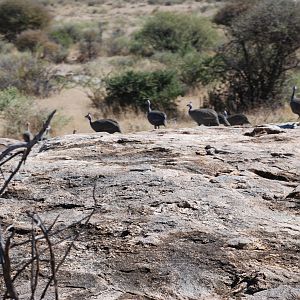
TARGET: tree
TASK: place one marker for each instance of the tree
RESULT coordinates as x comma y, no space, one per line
19,15
195,69
233,9
261,50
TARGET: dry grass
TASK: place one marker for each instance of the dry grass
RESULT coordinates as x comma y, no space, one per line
270,116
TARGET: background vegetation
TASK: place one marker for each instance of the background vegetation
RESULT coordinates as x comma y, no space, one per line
262,49
17,109
238,55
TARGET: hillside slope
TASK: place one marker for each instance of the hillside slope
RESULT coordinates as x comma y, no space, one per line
173,221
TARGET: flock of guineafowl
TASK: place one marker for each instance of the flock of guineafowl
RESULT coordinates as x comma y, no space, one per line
202,116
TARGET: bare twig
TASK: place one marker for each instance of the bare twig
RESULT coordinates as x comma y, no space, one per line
27,147
71,244
35,268
41,237
35,258
6,266
11,157
51,253
14,172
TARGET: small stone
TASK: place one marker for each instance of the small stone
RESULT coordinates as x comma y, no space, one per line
240,243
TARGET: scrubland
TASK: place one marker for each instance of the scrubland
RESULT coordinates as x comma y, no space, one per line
88,41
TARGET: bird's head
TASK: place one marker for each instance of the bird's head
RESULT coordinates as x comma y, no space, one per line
149,105
190,106
88,116
295,87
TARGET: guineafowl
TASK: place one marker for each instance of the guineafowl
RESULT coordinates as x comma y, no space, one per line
104,125
156,118
238,119
223,119
205,116
27,135
295,103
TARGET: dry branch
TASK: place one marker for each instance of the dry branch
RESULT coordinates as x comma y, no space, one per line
26,148
35,260
37,246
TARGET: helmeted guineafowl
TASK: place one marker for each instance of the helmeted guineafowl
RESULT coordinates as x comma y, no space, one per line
27,135
155,117
295,103
104,125
238,119
223,119
205,116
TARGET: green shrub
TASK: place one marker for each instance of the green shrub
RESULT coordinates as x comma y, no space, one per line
5,47
7,96
175,32
31,40
28,74
37,41
65,35
195,69
132,89
19,15
54,52
168,59
117,44
16,110
90,44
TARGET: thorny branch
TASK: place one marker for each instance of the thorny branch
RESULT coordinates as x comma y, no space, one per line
41,248
26,148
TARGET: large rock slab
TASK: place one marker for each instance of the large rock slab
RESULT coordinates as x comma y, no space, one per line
174,221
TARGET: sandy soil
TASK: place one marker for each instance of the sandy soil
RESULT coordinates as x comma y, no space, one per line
73,104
